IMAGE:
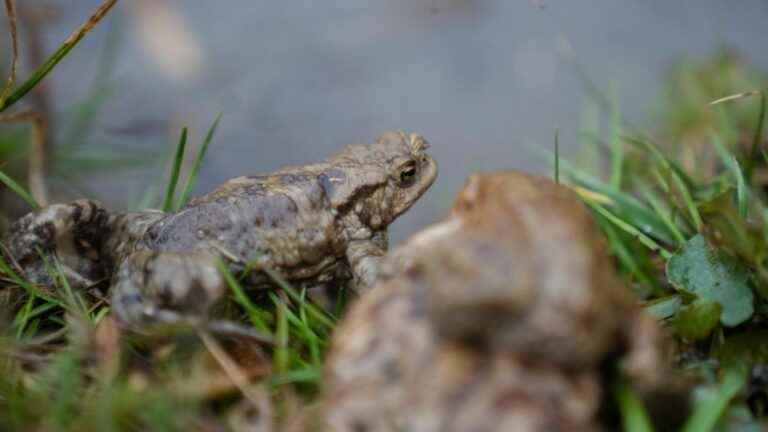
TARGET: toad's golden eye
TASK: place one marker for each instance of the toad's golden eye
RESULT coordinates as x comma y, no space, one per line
408,174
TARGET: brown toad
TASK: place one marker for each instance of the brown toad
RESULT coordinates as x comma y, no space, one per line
499,318
312,224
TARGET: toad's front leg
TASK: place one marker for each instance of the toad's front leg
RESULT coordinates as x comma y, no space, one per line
165,287
365,258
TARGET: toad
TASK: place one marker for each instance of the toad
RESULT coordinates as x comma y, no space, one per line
315,224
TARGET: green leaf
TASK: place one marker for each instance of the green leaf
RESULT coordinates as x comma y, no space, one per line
711,274
664,307
697,320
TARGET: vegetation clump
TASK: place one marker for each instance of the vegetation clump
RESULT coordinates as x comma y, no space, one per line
685,212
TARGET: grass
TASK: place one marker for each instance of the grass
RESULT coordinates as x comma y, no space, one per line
198,163
660,196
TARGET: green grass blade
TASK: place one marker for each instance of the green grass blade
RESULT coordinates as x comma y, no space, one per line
680,180
624,204
23,316
280,360
74,303
633,415
729,160
306,375
255,314
712,403
57,56
37,76
198,163
29,317
617,145
65,390
757,138
99,314
693,211
664,214
19,190
629,229
148,198
174,180
313,310
28,287
306,334
626,257
557,155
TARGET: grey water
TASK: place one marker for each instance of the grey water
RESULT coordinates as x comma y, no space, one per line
486,81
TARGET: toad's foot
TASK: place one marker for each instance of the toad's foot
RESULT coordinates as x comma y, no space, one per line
72,232
365,257
166,288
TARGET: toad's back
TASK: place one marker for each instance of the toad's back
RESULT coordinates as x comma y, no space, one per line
284,220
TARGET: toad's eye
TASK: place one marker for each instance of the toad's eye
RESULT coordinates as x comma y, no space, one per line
407,174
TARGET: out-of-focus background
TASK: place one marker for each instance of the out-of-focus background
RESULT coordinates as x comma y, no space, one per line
486,81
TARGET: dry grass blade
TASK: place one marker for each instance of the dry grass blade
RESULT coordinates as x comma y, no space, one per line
87,26
60,53
734,97
37,158
10,8
259,399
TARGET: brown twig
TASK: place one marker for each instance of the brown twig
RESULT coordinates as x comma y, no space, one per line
259,399
36,175
10,8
